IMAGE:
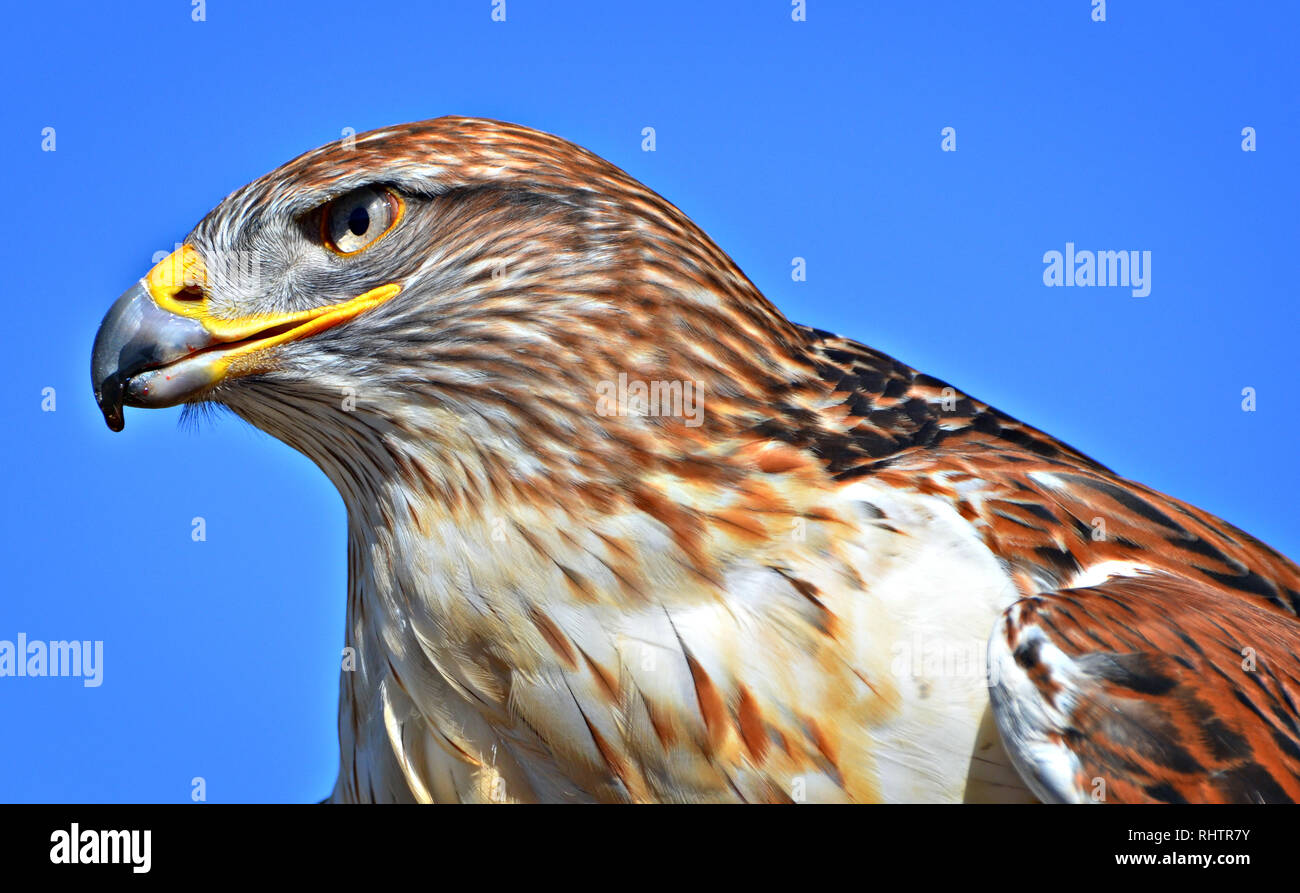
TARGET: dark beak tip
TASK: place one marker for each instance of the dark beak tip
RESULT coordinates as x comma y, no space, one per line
108,397
113,418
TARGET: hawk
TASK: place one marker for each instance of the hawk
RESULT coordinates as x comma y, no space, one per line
620,531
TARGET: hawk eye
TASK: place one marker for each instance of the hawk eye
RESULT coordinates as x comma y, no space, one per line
355,221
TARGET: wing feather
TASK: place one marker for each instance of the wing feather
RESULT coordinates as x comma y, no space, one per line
1149,687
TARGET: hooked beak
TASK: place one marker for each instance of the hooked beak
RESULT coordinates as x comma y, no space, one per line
159,346
137,335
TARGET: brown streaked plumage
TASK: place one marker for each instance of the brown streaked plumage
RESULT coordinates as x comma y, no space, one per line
774,579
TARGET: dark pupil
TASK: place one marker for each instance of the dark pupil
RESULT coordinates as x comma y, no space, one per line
359,221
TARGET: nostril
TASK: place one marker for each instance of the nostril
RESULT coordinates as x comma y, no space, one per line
189,293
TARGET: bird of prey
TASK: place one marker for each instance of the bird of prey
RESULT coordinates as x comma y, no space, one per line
620,531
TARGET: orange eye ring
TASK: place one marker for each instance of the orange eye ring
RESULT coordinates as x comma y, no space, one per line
341,216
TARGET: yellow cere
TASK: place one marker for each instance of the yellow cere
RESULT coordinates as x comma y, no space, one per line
184,270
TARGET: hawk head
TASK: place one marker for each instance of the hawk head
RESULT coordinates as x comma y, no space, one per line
459,282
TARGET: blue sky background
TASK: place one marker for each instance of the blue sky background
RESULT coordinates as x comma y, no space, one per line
818,139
